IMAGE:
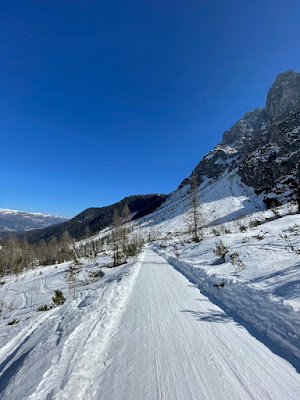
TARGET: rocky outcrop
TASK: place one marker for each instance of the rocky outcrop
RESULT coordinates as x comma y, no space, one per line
284,94
263,145
242,130
270,161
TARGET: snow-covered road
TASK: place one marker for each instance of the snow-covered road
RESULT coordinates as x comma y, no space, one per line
174,344
144,332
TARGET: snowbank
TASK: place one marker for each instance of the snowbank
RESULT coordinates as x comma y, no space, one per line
65,347
274,320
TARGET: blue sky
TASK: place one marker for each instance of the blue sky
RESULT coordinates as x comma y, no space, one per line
103,99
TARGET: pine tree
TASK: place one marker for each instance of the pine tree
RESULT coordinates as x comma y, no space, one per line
66,246
72,277
195,204
125,230
26,254
10,256
298,200
87,232
42,252
53,249
126,213
116,236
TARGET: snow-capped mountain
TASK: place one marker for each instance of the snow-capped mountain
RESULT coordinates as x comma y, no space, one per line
224,325
14,220
263,147
255,166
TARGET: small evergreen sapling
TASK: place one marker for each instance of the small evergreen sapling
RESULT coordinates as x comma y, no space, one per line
221,250
44,308
59,298
236,260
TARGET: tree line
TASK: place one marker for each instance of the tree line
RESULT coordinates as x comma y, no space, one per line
17,256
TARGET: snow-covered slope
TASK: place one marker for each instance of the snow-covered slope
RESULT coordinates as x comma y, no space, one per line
173,343
263,146
261,271
221,200
143,331
58,353
14,220
259,277
186,322
140,332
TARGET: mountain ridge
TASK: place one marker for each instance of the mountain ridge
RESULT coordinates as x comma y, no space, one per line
17,220
278,124
97,218
263,147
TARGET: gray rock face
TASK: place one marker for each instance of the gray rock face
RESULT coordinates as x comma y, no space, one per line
284,94
263,146
242,130
270,162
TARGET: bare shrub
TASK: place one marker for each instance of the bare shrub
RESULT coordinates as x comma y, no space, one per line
236,260
259,236
220,249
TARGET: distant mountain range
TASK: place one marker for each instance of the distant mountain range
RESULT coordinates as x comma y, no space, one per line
97,218
16,221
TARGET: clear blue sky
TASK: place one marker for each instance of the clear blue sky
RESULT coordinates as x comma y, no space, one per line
103,99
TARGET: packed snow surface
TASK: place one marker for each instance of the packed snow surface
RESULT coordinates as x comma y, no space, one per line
59,353
141,332
173,343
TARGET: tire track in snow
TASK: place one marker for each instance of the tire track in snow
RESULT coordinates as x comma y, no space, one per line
173,343
75,371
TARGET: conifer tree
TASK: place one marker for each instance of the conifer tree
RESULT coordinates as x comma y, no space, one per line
195,204
66,243
117,222
53,249
125,219
87,232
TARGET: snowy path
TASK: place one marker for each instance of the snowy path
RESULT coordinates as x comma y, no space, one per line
173,343
142,333
59,354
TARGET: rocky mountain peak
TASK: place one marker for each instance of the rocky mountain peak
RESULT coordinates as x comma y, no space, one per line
242,129
263,146
284,94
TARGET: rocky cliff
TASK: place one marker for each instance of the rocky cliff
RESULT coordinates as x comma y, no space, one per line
263,146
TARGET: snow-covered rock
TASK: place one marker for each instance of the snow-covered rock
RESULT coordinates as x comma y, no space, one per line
264,145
